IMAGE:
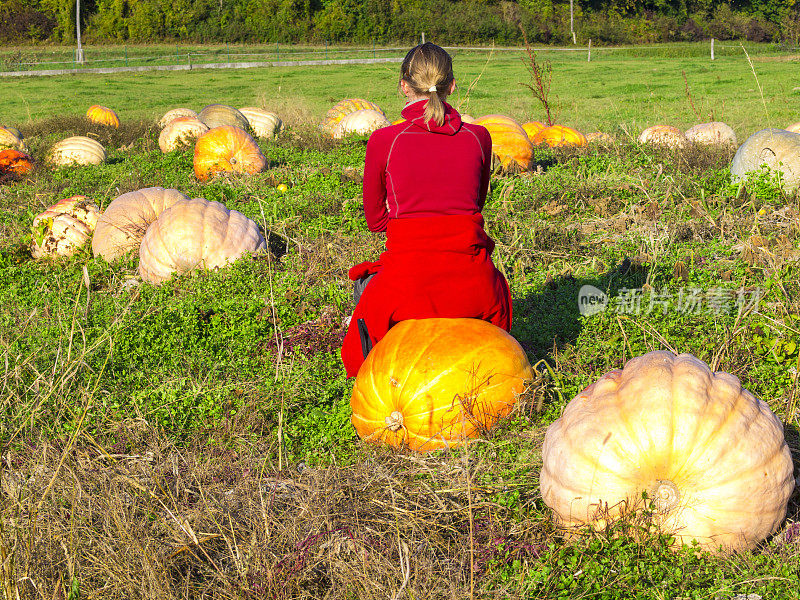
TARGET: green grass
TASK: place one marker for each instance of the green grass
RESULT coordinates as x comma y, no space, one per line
192,439
619,91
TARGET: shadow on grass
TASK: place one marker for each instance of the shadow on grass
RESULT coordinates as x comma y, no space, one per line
552,318
792,434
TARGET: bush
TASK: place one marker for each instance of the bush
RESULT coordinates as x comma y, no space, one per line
24,24
690,31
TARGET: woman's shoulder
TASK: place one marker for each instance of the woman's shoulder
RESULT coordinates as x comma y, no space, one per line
479,130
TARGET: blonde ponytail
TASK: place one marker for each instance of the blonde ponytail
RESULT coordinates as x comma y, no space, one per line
428,69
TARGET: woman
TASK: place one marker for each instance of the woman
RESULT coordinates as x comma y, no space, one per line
425,183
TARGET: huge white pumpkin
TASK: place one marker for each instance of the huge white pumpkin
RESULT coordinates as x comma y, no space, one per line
776,149
196,234
360,122
710,456
77,150
121,227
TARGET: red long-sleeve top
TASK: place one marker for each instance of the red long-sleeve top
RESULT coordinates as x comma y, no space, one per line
419,169
425,185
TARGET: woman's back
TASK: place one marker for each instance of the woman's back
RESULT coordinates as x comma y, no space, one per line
419,169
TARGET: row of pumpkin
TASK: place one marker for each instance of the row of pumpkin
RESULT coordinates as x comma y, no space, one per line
221,141
704,457
171,232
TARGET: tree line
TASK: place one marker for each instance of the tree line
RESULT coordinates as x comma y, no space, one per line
400,21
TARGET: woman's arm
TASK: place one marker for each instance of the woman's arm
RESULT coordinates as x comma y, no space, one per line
486,173
374,193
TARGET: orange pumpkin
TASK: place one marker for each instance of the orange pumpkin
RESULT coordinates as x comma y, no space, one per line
102,115
14,162
226,149
433,383
533,127
510,143
559,135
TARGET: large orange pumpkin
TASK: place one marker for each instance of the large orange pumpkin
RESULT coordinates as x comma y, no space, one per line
102,115
226,149
510,143
559,135
432,383
15,162
533,127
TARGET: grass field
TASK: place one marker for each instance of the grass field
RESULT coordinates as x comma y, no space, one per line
620,90
192,440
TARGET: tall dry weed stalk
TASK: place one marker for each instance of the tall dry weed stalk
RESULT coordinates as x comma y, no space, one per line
541,76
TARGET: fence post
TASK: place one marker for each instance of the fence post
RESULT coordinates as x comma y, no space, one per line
589,56
228,50
177,55
277,51
326,49
126,56
423,37
712,48
189,60
373,48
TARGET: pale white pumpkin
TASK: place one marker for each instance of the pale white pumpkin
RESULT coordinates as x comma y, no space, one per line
794,127
776,149
11,138
196,234
663,135
710,456
121,227
265,124
220,115
360,122
63,228
175,113
180,133
714,133
77,150
599,137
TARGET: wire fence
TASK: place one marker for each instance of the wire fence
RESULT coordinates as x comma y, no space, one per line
34,60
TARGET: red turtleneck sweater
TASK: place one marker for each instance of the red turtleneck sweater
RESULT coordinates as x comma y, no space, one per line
418,169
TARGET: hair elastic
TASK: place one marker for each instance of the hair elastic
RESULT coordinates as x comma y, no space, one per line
432,88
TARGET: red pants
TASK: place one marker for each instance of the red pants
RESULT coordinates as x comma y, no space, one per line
432,267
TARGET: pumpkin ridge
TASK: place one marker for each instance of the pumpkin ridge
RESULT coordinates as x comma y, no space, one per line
737,474
402,404
708,442
477,392
429,384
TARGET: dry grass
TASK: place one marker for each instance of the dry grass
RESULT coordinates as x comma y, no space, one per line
146,519
142,134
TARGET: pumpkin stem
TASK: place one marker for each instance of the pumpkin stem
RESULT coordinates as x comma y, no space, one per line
394,421
665,495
